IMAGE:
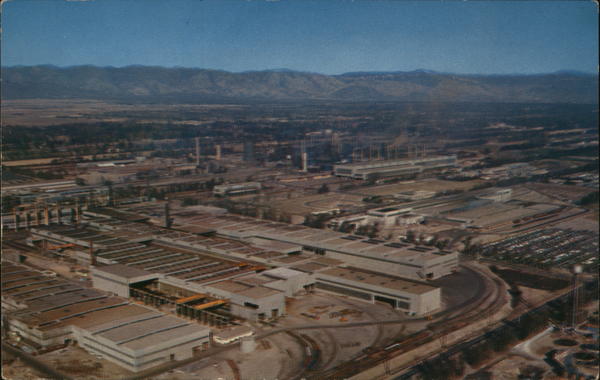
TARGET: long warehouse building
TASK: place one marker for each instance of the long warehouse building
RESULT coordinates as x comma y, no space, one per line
225,266
391,168
399,259
50,311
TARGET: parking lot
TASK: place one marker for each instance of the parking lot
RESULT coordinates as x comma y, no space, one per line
548,248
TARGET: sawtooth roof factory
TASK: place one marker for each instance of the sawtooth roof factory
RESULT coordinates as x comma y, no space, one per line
50,311
400,259
231,275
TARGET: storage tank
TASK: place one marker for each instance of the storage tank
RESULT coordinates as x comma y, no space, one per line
248,344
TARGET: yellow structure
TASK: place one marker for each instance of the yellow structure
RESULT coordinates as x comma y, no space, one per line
191,298
210,304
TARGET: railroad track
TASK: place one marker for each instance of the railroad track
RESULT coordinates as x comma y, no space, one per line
490,299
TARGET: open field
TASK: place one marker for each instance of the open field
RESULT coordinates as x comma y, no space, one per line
425,184
320,202
46,112
561,192
78,363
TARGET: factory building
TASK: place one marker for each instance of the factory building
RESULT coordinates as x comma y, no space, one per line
128,263
236,189
414,195
399,259
388,215
391,168
231,280
412,297
118,278
502,195
50,311
286,280
385,216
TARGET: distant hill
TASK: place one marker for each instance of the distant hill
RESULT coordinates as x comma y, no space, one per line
140,83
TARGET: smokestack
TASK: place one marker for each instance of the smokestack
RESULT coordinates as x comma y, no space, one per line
167,215
37,215
16,218
304,162
577,269
218,152
92,256
197,151
58,214
77,214
46,216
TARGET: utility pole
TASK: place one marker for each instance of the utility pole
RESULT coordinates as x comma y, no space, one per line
197,151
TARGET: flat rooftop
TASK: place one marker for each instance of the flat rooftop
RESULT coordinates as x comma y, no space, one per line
255,292
378,279
282,273
243,227
127,325
310,267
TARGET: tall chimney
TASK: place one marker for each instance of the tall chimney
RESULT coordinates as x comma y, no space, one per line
16,218
304,162
197,151
92,256
58,214
218,152
77,212
46,215
167,215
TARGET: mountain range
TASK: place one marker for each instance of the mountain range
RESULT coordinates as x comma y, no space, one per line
146,83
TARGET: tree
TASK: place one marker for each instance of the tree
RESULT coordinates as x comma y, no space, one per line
372,178
316,221
189,202
346,227
503,340
362,230
323,189
442,244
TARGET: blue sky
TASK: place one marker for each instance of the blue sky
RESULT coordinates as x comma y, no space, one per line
326,36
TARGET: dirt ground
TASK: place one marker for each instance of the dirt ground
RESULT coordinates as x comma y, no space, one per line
344,343
14,369
425,184
75,361
271,359
283,356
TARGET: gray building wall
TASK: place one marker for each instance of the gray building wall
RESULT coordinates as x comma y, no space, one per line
113,283
139,360
413,303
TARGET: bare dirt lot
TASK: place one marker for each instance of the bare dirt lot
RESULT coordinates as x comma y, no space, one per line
78,363
43,112
425,184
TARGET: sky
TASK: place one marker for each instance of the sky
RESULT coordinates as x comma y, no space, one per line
326,36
